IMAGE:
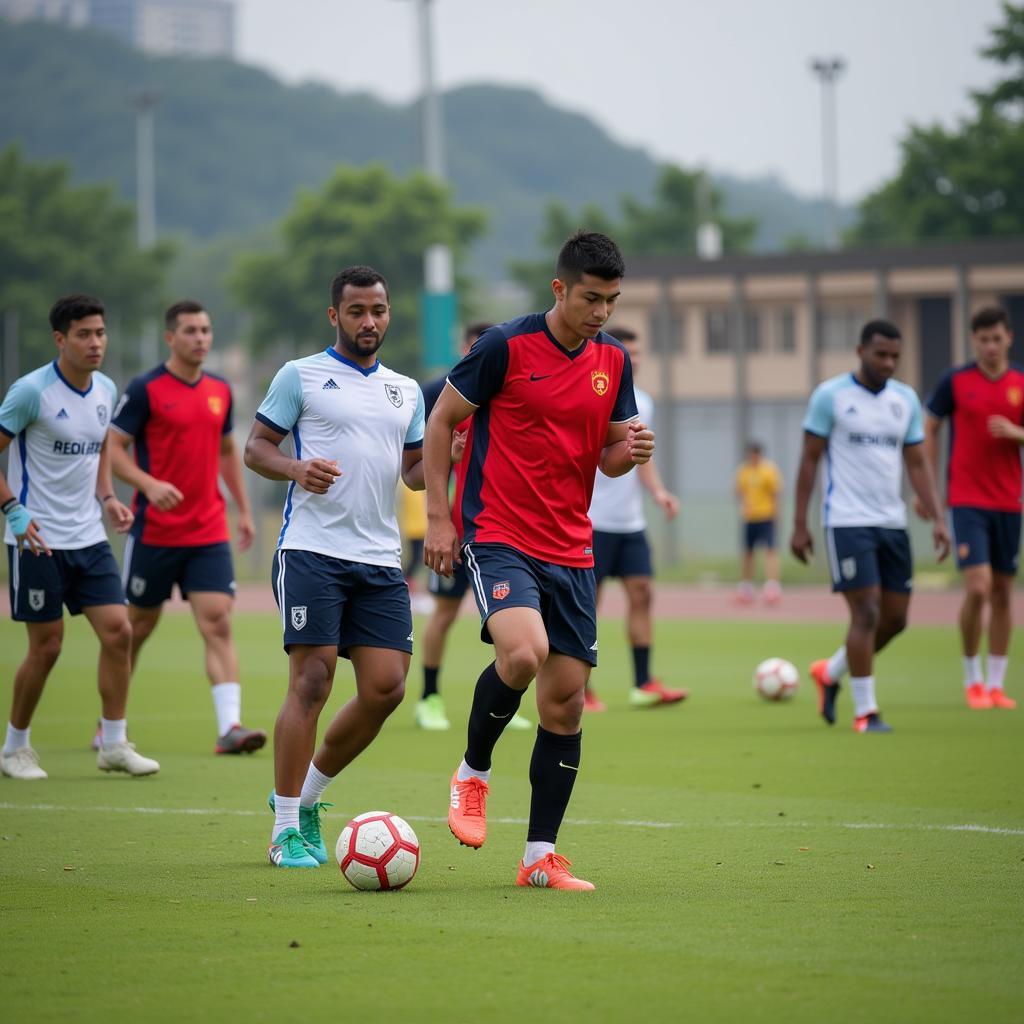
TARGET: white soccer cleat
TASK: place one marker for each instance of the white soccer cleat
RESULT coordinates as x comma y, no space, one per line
23,763
121,757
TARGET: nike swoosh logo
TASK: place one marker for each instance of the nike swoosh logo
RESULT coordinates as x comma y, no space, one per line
493,715
562,764
541,376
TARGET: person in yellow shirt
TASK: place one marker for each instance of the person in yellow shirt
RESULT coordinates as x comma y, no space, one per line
758,486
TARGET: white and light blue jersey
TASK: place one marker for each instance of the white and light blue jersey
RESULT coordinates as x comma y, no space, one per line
57,434
867,432
362,419
617,505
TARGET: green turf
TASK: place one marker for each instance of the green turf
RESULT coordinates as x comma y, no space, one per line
751,864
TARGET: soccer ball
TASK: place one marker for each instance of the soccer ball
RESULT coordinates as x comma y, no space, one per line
378,850
776,679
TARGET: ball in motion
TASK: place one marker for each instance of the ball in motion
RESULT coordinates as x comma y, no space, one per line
378,850
776,679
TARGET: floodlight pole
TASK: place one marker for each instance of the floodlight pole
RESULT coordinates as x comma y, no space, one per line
145,205
827,70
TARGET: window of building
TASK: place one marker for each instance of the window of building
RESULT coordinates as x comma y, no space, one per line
839,329
785,330
716,331
753,339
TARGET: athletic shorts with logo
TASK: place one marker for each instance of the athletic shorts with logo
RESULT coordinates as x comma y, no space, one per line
983,536
332,602
566,598
621,555
869,556
152,570
759,532
453,588
40,585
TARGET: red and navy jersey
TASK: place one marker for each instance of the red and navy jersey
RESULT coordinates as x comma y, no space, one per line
536,437
178,429
984,471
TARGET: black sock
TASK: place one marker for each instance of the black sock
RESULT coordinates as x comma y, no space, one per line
641,664
553,769
429,681
494,704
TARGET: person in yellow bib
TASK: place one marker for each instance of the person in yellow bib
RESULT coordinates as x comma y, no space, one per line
758,486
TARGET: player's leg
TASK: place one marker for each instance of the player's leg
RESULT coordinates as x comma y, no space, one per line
591,702
1005,529
865,615
971,542
607,562
745,591
772,590
430,712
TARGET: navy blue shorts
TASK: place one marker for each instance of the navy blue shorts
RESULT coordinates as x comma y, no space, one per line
454,588
331,602
566,598
760,532
41,584
983,536
621,554
869,556
151,571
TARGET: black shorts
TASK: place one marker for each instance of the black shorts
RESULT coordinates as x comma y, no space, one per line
152,570
453,588
983,536
331,602
760,532
869,556
621,554
566,598
40,585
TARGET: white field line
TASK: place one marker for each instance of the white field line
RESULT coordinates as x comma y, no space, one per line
219,812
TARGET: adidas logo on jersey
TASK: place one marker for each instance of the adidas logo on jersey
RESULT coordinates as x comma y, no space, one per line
63,415
329,385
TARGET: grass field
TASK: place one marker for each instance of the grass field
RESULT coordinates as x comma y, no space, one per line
752,865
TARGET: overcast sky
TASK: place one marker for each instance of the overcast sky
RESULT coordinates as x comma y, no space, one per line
723,83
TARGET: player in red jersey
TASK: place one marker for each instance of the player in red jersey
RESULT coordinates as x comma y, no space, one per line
984,402
551,398
178,417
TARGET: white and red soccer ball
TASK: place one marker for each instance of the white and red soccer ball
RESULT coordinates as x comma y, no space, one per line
776,679
378,850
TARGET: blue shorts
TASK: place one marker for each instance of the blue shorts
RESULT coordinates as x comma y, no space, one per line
566,598
621,554
760,532
869,556
983,536
151,570
454,588
331,602
82,578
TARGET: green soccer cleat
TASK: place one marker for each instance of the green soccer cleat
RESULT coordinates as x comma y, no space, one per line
309,828
430,714
289,850
518,722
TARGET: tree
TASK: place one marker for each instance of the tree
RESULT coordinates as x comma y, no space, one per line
55,239
361,216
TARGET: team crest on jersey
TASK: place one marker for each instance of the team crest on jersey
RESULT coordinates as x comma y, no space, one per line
101,414
215,403
897,410
36,599
137,586
599,381
962,551
298,616
501,590
1014,395
394,393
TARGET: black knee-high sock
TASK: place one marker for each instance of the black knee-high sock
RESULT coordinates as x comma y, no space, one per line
494,704
429,681
641,665
553,769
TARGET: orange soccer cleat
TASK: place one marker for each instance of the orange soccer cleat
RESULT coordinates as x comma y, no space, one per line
551,872
978,698
827,690
467,812
654,693
999,699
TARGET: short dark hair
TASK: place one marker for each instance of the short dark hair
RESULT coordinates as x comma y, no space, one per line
358,277
886,328
755,446
990,316
185,306
589,252
473,331
74,307
623,333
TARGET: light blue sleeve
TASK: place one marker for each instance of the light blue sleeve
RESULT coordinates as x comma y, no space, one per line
915,428
820,416
283,405
20,407
414,435
111,388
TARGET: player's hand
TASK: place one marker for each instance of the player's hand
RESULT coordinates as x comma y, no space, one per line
1002,428
441,547
316,475
246,531
639,443
668,503
120,515
33,540
458,445
162,494
919,509
801,544
941,540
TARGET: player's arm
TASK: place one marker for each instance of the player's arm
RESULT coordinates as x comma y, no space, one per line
20,408
120,515
1005,430
625,446
231,473
801,543
161,494
412,469
263,455
923,482
663,498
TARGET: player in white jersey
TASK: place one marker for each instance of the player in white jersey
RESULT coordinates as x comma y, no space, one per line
356,427
868,426
58,484
621,549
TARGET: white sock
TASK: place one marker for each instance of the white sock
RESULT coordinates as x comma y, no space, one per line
996,670
314,786
16,739
227,701
465,772
772,587
972,669
534,852
837,665
114,730
286,811
863,688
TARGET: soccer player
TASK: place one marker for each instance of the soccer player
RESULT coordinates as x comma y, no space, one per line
865,424
621,549
337,575
551,398
758,486
984,401
57,550
448,592
178,417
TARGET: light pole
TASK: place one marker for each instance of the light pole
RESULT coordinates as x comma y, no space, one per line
145,205
827,70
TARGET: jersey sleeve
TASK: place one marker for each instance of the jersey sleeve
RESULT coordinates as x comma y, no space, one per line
915,428
20,407
229,418
940,402
132,412
481,374
625,399
414,435
820,416
281,409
